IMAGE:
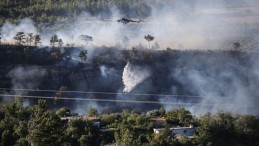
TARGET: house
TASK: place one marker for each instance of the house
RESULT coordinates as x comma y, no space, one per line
179,131
96,121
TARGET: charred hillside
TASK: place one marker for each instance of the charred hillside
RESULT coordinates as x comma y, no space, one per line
198,80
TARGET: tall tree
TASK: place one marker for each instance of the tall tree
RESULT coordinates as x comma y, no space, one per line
54,39
19,38
37,39
92,112
60,43
63,112
216,129
82,132
30,38
0,38
13,127
246,129
126,136
149,38
179,117
45,126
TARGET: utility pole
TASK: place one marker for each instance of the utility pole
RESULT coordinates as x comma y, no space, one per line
0,37
245,36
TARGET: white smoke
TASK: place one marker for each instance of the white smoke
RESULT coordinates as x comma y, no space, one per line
82,107
103,32
176,24
103,70
26,78
9,30
134,75
232,88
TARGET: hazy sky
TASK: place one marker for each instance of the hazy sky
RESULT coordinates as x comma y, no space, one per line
180,24
197,23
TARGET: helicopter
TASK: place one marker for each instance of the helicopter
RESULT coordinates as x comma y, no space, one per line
126,20
86,37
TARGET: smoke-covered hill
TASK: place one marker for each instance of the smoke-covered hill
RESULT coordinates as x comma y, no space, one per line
201,81
201,74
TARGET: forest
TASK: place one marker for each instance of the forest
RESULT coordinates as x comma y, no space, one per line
57,11
40,125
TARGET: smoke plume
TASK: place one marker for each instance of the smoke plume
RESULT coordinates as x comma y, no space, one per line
9,30
26,78
134,75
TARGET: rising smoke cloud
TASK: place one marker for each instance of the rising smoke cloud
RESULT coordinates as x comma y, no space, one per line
29,77
9,30
232,88
26,78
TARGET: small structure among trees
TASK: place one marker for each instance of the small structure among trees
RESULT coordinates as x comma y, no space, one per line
178,131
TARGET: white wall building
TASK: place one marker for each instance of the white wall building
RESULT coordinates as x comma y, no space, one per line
179,131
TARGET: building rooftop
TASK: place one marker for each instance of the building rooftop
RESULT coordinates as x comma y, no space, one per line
179,131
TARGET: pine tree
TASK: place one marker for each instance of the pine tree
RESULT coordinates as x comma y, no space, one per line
37,39
19,38
54,39
30,38
149,38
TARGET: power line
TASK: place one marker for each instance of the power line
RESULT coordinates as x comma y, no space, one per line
123,101
98,100
104,93
120,93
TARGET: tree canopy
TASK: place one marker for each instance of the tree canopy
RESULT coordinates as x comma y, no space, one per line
49,11
40,125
